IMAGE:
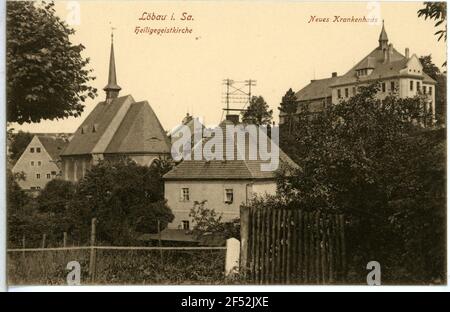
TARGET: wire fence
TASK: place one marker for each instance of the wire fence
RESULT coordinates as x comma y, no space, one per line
118,265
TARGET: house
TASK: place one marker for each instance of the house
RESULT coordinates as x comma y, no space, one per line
40,162
117,128
399,74
223,184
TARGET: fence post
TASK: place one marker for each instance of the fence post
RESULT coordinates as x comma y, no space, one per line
232,256
92,255
44,238
245,220
160,244
65,239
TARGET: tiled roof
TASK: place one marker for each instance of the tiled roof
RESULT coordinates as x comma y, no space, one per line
381,69
317,89
121,126
236,169
54,146
139,132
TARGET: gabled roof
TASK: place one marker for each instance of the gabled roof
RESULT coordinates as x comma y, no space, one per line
120,126
381,69
54,146
140,132
235,169
317,89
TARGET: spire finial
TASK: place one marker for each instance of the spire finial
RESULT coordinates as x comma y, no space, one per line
383,39
112,89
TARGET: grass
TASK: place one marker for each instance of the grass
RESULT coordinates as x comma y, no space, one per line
115,267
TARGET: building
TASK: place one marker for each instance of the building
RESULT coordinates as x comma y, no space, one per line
399,74
223,184
117,128
40,162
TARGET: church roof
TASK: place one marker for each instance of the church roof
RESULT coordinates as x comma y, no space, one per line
119,126
245,169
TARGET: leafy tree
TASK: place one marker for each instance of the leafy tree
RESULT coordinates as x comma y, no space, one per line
127,199
375,162
288,106
17,144
441,87
208,221
47,76
55,197
258,112
436,11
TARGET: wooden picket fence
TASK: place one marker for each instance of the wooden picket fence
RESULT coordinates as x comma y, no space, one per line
292,246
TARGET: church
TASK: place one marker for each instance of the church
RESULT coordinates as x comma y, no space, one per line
399,74
118,127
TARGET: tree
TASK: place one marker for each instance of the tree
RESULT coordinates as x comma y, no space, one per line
288,106
17,144
208,221
258,112
376,163
441,87
127,199
438,12
47,76
55,197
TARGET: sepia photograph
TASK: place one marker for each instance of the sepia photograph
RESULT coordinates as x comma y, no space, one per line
225,143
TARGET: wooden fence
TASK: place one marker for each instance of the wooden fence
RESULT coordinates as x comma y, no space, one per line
292,246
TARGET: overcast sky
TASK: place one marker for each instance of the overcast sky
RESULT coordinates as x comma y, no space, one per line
270,42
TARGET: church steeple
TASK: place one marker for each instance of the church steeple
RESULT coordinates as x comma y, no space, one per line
112,89
383,39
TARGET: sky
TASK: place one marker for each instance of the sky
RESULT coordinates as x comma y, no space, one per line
270,42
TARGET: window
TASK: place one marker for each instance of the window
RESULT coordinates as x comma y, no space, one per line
354,90
38,187
39,163
38,149
48,176
32,150
392,86
346,92
185,224
228,196
53,172
383,87
38,175
411,85
430,91
185,194
424,90
339,93
94,128
33,188
418,86
32,163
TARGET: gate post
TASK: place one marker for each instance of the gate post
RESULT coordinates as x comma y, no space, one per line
245,220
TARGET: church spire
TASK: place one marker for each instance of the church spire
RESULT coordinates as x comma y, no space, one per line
383,39
112,89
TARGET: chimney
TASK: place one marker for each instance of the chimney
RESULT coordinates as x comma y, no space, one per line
385,55
334,74
233,118
390,52
407,53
